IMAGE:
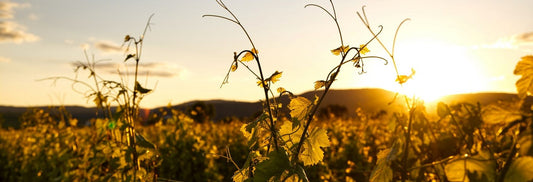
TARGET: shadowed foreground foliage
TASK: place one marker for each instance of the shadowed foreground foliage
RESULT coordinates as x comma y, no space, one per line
463,134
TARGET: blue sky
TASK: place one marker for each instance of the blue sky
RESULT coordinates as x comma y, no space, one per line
455,46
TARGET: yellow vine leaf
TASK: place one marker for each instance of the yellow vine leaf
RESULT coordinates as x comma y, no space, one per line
521,169
319,84
472,168
364,49
501,113
248,56
247,135
340,49
299,107
281,90
290,135
382,170
233,67
261,85
241,175
312,153
275,77
524,85
403,78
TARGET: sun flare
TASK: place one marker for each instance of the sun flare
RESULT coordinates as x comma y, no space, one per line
441,69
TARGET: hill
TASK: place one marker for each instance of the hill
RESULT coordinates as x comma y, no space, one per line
369,100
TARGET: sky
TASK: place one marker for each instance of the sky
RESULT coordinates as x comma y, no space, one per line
454,46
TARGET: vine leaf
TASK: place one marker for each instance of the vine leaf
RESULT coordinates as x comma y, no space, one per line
234,66
364,49
141,89
274,77
289,134
141,141
281,90
248,56
472,168
340,49
382,171
319,84
524,85
261,85
521,170
403,78
442,110
299,107
274,166
129,56
495,114
312,153
241,175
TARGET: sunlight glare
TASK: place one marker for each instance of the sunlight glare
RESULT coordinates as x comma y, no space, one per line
441,70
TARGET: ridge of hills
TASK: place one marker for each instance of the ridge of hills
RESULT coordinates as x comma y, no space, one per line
370,100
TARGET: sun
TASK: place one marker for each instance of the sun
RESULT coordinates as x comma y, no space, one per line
441,69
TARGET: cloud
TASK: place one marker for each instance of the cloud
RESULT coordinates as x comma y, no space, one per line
511,42
150,69
33,17
108,47
525,38
13,32
4,60
6,9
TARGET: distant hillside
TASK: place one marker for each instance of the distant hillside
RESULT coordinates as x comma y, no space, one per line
370,100
482,98
224,108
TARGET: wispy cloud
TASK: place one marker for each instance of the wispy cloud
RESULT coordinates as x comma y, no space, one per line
511,42
525,38
4,60
108,47
11,31
7,9
33,17
150,69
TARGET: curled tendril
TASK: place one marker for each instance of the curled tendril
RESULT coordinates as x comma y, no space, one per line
332,15
234,20
236,62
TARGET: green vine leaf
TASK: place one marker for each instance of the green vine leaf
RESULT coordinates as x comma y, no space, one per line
277,163
312,153
524,85
141,141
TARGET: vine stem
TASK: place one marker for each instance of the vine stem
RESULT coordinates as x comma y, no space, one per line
134,104
265,88
411,106
329,80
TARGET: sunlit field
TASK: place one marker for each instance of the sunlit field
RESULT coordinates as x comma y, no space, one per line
412,131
